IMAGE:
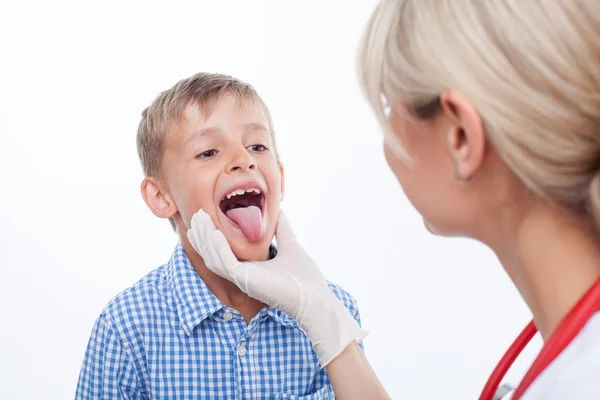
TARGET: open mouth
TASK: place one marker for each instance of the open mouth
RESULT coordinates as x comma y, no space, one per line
244,208
241,198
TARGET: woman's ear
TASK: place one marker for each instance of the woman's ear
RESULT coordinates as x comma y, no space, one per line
157,199
465,133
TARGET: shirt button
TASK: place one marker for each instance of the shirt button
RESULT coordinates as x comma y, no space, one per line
242,350
227,316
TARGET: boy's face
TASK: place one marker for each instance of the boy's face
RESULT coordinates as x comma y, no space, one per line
225,163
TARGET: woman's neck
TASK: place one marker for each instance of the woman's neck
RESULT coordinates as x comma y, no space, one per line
553,258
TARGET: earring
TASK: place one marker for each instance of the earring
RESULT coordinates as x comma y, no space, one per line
457,177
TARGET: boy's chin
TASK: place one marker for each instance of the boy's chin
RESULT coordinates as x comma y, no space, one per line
250,251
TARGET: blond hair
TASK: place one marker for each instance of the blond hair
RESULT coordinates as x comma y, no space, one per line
531,67
202,89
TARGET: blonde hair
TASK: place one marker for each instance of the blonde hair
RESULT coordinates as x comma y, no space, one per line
531,67
202,89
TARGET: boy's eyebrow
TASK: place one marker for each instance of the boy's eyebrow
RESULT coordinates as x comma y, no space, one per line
255,126
201,132
252,126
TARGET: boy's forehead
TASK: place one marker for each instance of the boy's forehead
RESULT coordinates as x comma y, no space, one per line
228,110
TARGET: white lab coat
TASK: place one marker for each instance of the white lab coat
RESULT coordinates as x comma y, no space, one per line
575,373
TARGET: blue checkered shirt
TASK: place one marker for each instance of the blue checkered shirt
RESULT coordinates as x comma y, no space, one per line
169,337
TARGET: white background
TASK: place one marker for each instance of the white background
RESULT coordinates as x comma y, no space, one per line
74,230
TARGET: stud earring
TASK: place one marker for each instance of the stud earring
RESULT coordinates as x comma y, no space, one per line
458,178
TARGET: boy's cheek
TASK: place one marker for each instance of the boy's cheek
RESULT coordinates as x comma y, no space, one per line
195,203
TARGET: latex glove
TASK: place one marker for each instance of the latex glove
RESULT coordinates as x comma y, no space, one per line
291,282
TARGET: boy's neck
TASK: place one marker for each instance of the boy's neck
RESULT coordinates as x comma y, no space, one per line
227,292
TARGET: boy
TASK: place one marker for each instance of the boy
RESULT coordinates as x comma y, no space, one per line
182,331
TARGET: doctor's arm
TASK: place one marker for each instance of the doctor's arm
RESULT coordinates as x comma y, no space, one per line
353,378
294,284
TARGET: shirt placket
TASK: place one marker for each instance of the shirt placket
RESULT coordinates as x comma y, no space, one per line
246,355
240,339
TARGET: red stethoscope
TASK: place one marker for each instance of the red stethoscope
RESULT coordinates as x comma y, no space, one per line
566,331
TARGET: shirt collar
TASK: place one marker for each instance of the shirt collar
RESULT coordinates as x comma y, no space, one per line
283,318
195,302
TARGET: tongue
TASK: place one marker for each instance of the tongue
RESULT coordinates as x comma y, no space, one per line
249,219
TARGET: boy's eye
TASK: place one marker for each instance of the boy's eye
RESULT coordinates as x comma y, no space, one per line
257,147
207,154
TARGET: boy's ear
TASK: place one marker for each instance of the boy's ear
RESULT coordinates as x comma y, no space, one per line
282,173
157,199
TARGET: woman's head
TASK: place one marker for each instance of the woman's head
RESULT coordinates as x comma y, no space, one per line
504,92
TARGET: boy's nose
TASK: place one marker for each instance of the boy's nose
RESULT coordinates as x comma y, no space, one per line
241,160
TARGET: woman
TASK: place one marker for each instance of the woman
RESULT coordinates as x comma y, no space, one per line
493,106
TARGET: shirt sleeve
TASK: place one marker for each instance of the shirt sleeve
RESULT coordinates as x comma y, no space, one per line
356,314
107,371
350,303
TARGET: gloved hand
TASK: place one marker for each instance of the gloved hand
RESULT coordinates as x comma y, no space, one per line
291,282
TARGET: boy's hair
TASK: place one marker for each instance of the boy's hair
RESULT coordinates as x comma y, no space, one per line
204,90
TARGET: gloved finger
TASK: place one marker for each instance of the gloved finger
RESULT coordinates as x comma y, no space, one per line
284,233
212,261
202,226
200,236
249,276
194,242
205,228
224,263
224,254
